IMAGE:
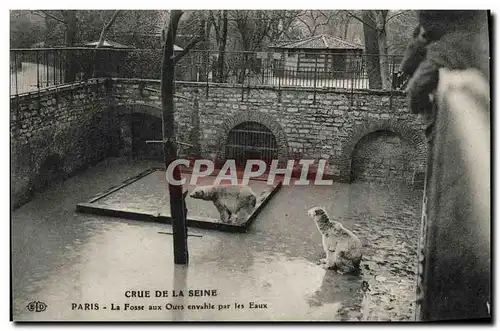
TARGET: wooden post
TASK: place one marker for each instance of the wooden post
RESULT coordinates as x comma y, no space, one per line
177,204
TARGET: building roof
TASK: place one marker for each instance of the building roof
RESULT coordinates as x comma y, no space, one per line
113,44
322,41
108,44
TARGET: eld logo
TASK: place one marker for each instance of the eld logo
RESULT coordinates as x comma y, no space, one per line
36,306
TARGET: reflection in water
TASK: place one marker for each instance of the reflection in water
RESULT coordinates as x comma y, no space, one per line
180,284
61,257
345,289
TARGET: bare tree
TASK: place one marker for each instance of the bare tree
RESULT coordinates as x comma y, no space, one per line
375,33
252,26
340,23
204,29
315,19
196,27
371,50
220,27
106,28
177,202
380,17
68,18
257,26
400,31
280,24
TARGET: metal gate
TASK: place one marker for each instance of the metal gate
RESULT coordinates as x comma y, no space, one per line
251,141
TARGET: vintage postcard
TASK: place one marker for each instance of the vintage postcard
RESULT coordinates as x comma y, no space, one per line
250,165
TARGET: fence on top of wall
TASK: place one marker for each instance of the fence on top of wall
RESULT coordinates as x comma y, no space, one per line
38,68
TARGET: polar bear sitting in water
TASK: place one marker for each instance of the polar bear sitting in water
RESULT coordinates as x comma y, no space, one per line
230,200
342,247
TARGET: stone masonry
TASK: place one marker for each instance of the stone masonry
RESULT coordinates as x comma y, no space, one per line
383,156
327,125
56,132
83,123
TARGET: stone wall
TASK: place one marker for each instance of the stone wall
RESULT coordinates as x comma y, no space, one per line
143,96
326,124
55,133
384,157
61,131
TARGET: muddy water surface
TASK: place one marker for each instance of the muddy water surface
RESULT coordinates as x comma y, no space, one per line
62,258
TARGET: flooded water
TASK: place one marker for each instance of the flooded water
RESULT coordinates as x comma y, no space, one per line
150,194
66,259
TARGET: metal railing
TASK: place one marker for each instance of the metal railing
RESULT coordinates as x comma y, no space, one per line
320,69
32,69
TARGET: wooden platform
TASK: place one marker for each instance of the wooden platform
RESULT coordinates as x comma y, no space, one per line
97,207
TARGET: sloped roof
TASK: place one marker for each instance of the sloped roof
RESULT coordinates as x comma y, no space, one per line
322,41
108,43
113,44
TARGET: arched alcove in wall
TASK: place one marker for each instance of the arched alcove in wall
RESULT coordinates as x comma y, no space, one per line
50,171
251,141
135,125
384,156
399,149
268,134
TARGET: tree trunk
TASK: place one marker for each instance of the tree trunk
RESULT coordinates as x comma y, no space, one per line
346,27
244,58
103,62
205,57
222,49
380,17
243,68
69,39
177,203
69,35
106,28
372,51
243,29
384,61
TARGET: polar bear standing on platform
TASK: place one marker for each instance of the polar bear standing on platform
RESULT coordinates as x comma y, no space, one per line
342,247
230,200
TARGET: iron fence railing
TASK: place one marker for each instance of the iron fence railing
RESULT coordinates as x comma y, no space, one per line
32,69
